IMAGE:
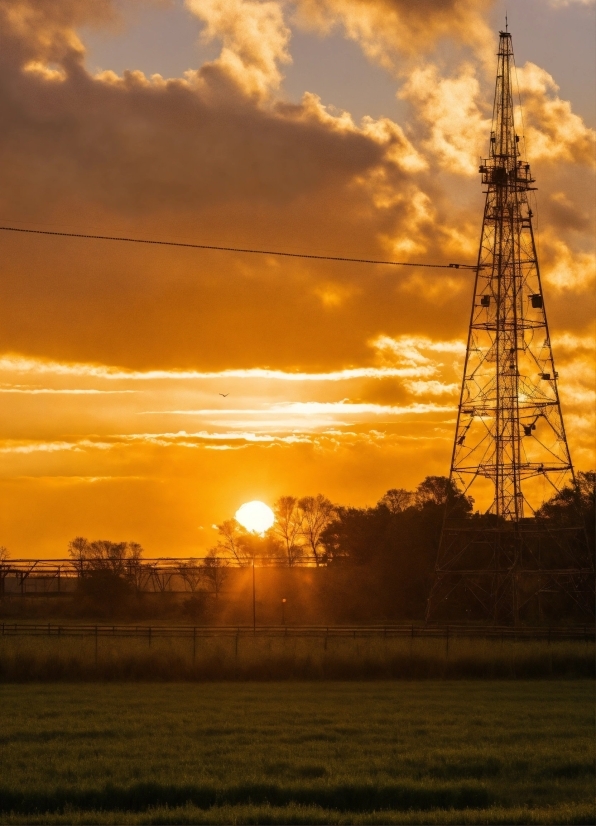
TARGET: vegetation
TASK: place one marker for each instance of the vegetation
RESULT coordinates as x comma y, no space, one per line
246,657
342,564
299,753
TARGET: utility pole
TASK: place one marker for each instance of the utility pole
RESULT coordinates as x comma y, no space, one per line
254,599
510,449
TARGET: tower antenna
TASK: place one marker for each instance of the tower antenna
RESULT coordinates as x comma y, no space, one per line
515,562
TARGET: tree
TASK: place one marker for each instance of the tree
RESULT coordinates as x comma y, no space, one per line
574,505
317,513
78,551
103,555
243,546
287,527
397,500
440,490
215,571
107,571
232,541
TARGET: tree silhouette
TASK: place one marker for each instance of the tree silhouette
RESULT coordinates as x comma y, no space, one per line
288,527
317,513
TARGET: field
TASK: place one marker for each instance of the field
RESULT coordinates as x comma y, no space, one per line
323,752
154,657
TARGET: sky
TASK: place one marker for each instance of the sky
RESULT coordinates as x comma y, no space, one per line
340,127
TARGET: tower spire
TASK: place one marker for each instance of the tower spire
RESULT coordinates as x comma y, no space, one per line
510,450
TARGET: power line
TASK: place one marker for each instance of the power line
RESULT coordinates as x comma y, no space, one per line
237,249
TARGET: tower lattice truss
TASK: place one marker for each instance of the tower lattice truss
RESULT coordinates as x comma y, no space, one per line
510,448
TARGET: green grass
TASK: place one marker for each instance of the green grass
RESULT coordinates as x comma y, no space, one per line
277,658
374,752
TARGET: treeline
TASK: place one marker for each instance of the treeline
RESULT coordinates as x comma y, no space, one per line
110,573
342,564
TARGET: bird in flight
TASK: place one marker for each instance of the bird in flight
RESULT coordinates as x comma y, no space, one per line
225,395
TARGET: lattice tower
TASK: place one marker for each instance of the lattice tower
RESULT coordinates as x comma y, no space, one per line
510,446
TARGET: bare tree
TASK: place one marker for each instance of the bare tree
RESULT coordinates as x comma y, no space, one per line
215,571
122,559
287,527
78,551
233,541
317,513
134,566
397,500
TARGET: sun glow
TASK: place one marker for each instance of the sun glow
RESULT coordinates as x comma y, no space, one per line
255,516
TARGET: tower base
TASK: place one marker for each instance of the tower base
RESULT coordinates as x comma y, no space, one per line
512,573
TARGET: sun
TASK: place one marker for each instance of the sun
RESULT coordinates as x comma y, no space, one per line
255,516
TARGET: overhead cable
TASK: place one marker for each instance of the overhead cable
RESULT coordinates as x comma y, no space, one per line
187,245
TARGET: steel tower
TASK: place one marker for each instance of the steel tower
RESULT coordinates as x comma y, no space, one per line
510,450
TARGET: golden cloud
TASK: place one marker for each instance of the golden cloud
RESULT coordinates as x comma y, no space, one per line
338,377
388,30
444,105
553,131
254,40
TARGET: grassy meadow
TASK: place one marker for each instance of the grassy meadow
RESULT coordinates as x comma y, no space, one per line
288,658
311,752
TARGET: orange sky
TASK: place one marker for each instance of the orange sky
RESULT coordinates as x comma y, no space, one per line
342,379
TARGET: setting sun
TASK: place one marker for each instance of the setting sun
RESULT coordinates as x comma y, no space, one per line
255,516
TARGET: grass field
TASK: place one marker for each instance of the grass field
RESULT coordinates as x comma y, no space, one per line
323,752
279,658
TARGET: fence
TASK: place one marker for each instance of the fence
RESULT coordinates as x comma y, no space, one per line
60,577
445,632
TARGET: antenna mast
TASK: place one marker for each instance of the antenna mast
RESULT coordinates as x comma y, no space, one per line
510,450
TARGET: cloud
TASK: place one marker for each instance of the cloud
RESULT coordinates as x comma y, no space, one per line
553,131
565,214
341,378
410,349
37,391
388,30
254,37
565,269
402,350
432,388
448,107
45,30
564,3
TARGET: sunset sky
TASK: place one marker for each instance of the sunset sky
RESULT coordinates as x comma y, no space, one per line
340,127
